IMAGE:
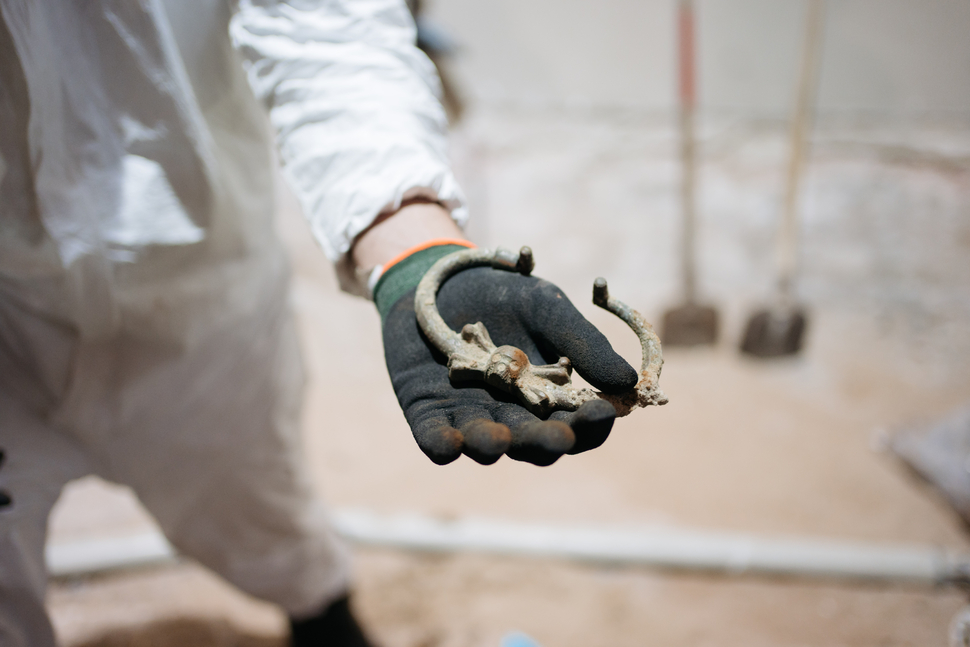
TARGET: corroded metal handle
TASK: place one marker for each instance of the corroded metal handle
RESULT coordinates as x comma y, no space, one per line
541,388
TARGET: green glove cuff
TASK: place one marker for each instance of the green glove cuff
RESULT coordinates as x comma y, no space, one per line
404,275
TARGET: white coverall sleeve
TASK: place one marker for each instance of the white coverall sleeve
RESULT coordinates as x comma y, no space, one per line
355,106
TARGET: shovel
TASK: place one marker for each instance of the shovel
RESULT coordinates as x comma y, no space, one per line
690,324
779,329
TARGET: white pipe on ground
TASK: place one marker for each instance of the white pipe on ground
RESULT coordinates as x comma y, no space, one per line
84,557
732,554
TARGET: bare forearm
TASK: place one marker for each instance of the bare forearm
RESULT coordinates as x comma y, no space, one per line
410,226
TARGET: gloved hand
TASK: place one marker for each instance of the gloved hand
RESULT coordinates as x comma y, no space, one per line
534,315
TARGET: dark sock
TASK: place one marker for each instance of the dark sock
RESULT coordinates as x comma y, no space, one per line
335,626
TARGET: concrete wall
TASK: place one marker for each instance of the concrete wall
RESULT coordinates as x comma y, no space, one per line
889,57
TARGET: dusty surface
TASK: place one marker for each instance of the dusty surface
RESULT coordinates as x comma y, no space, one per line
774,448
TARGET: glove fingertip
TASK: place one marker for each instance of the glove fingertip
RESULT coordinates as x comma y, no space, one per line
602,366
592,424
541,442
618,377
439,441
486,441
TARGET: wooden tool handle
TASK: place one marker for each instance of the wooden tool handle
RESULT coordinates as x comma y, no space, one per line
687,88
800,125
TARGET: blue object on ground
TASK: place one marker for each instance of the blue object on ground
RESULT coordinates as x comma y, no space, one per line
518,639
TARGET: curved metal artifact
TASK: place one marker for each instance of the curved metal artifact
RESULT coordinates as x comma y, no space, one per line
542,388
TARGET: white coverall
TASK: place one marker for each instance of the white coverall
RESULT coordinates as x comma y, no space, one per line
145,334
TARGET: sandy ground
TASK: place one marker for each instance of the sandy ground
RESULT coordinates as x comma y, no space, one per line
784,448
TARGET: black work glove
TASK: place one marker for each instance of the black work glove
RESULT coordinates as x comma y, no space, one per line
5,499
473,418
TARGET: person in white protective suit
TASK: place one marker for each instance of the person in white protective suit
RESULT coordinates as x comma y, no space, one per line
144,328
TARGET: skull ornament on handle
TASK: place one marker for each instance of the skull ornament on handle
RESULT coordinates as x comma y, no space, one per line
542,389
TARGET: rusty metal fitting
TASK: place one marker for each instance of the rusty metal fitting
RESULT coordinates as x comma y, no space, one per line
541,388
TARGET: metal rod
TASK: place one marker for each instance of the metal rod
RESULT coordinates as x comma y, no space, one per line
687,93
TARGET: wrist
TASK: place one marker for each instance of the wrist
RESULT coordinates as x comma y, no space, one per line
403,273
394,233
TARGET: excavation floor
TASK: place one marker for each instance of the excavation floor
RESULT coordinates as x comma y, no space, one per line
783,448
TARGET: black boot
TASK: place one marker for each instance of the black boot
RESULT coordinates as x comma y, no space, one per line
335,626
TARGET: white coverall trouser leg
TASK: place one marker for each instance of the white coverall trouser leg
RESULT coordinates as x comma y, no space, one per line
214,455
